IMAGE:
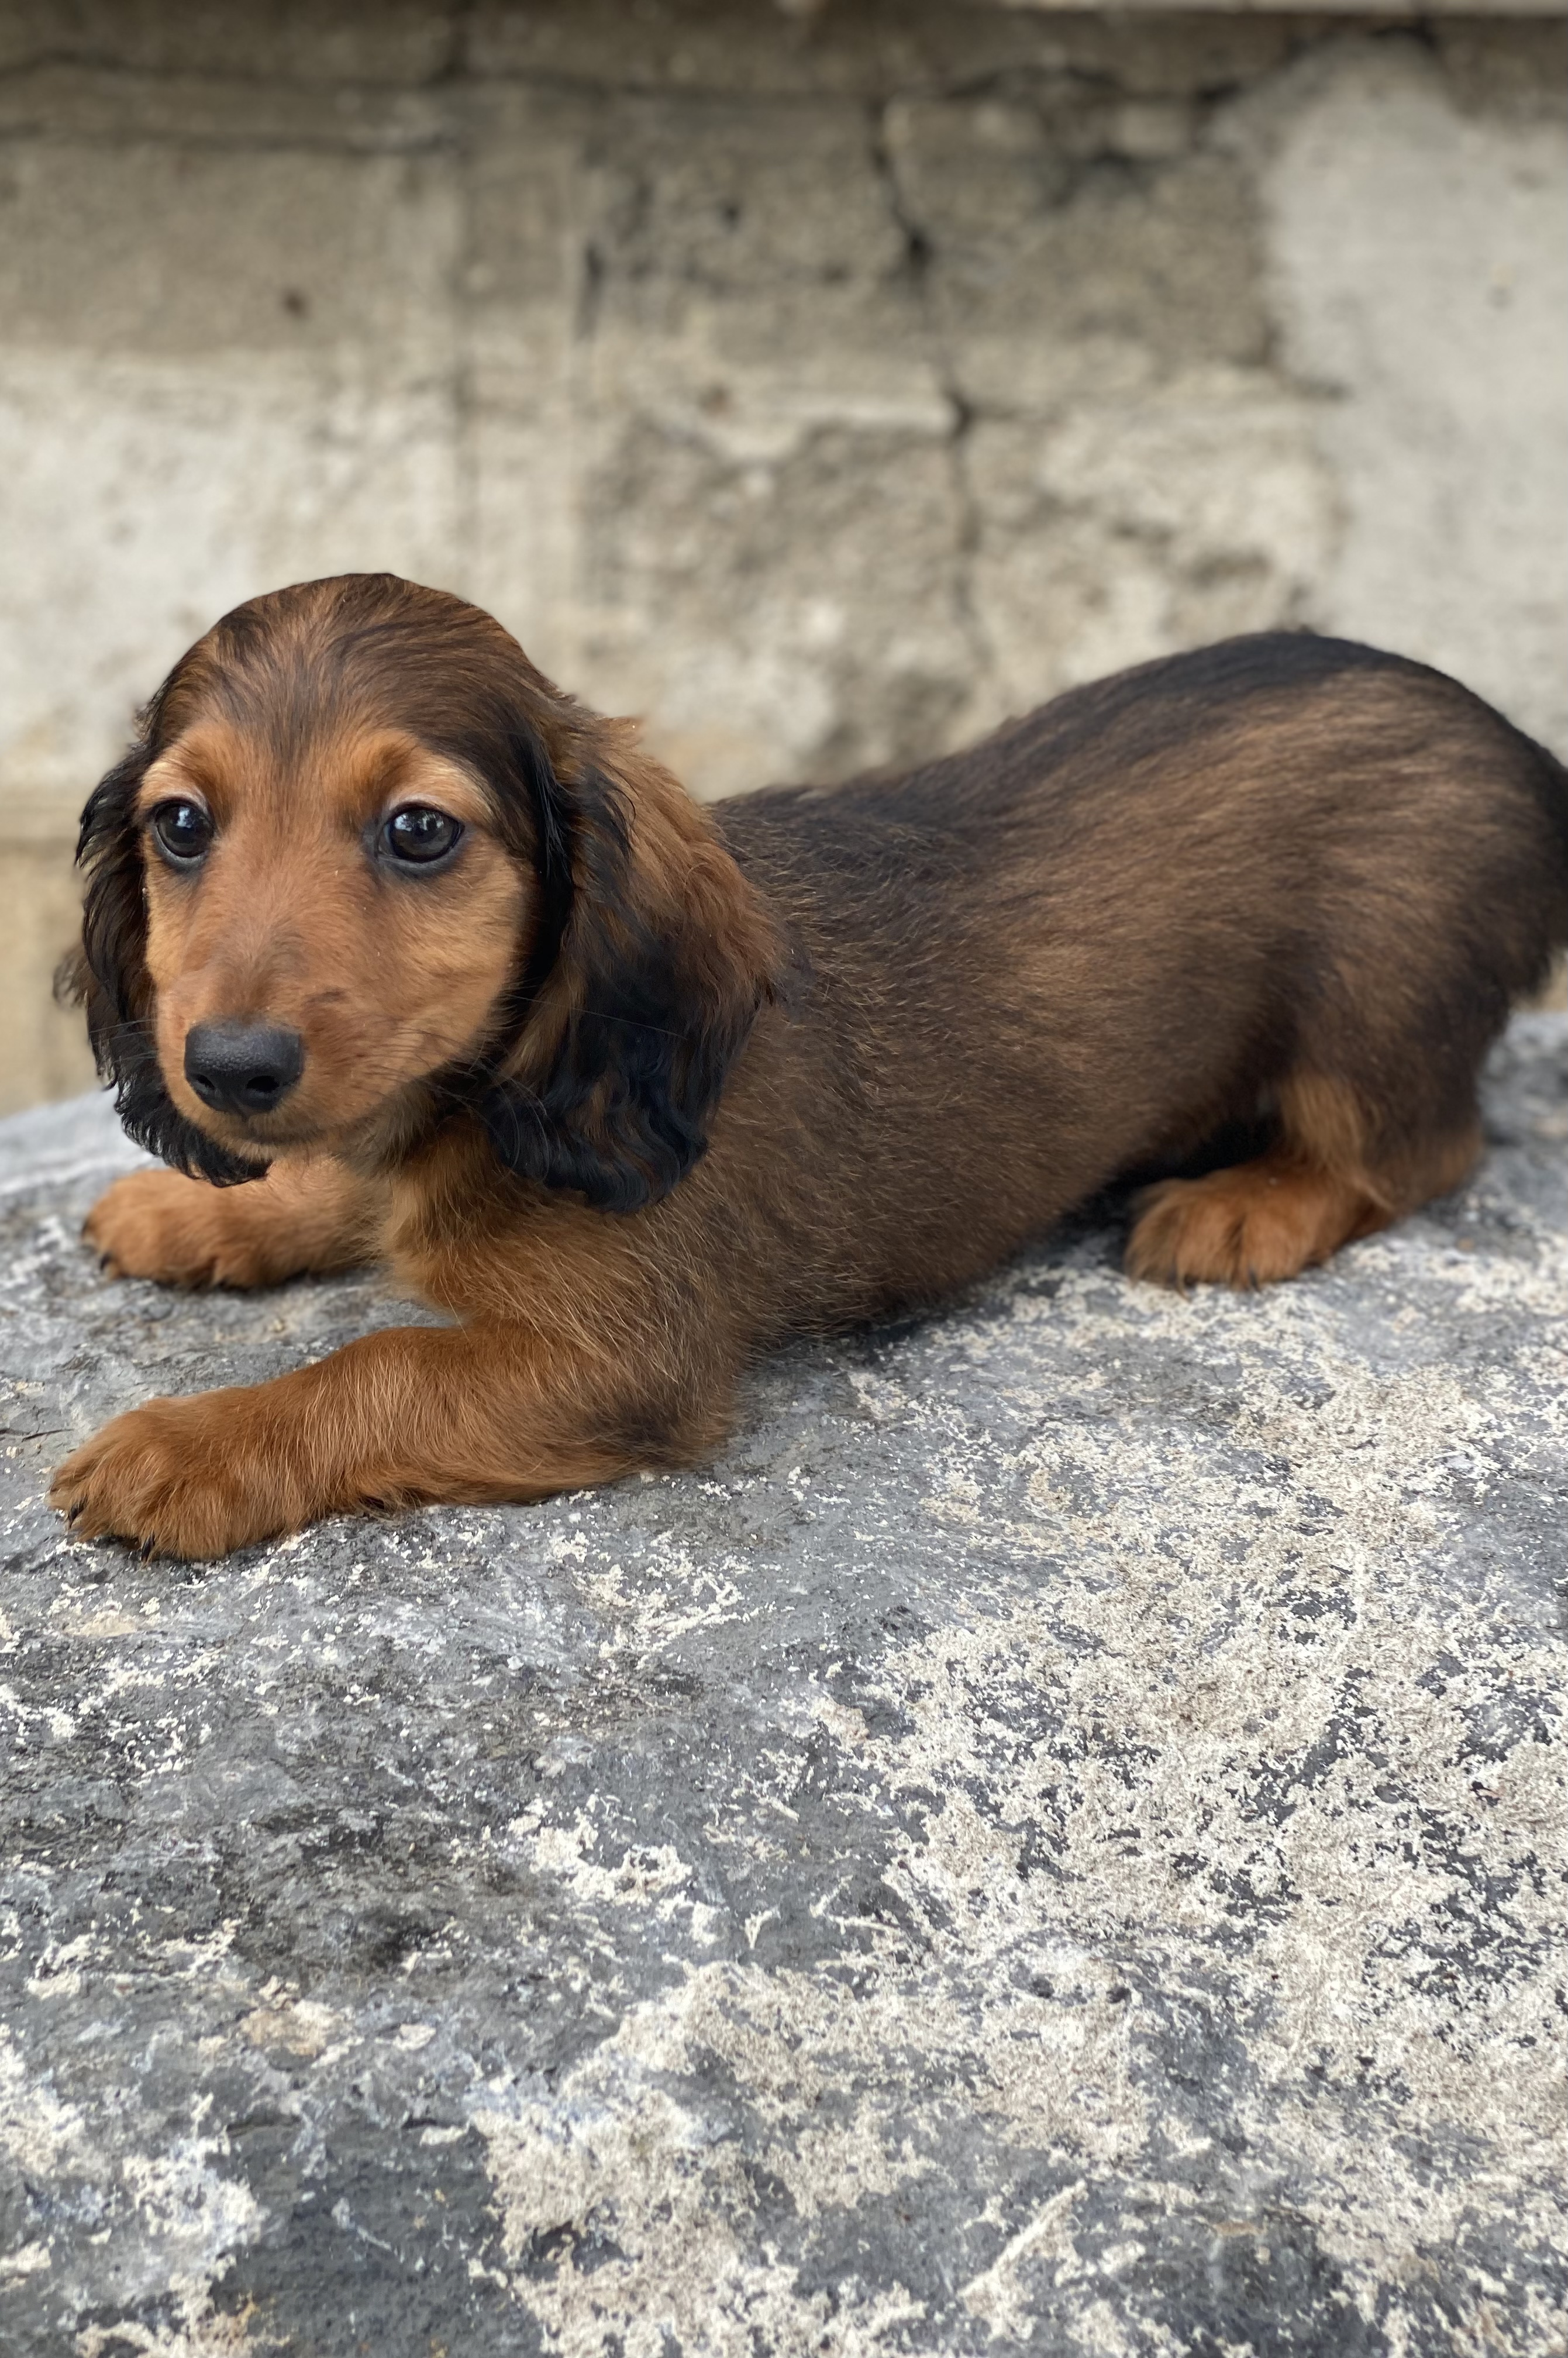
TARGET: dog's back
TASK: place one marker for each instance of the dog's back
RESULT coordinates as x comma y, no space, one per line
1287,871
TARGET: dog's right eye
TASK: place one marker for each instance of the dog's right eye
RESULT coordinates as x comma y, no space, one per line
183,831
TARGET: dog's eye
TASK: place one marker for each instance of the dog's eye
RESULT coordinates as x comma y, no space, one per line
420,834
183,830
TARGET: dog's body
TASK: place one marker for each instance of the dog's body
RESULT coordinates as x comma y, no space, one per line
634,1093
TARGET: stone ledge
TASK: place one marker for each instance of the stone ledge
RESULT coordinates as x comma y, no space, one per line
389,55
1055,1839
1395,14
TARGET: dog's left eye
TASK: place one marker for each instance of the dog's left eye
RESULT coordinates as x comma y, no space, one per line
420,834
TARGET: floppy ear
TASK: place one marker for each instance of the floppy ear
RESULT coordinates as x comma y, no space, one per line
108,977
664,957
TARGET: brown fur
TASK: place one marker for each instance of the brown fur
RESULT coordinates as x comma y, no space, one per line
631,1091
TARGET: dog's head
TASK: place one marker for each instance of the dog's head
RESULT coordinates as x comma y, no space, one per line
364,865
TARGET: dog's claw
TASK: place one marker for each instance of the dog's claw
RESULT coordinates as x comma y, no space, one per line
73,1513
147,1550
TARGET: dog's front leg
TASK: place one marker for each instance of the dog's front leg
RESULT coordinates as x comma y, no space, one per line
465,1415
303,1216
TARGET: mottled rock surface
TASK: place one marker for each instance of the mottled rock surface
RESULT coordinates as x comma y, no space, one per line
1054,1843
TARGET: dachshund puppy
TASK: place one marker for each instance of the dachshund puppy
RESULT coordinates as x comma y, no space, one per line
398,954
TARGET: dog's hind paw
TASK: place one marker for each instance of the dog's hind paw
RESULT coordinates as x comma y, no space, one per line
1247,1225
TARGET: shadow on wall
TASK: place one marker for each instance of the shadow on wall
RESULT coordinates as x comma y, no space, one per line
824,390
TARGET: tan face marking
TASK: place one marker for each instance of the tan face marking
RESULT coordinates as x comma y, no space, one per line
299,913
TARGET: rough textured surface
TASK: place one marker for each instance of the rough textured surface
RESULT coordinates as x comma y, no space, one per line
1055,1843
823,383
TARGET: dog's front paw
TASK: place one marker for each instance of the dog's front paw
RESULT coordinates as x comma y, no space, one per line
175,1477
181,1231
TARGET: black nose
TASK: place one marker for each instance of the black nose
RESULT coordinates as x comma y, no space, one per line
243,1068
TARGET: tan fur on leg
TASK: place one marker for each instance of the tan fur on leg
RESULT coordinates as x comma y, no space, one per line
1321,1187
1247,1225
302,1216
471,1414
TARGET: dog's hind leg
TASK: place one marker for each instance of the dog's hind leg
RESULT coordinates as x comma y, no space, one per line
1328,1179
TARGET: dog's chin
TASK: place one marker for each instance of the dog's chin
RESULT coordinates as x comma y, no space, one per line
374,1140
251,1139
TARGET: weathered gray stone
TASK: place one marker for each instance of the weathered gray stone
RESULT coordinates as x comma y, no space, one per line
863,48
289,40
1440,375
733,198
193,111
1162,264
872,502
1168,517
314,255
1054,1842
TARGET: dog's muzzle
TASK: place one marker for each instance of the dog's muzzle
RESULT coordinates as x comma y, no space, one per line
242,1068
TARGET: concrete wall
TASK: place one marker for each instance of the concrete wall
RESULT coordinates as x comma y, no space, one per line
823,384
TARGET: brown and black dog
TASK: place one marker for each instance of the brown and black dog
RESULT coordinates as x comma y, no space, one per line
456,978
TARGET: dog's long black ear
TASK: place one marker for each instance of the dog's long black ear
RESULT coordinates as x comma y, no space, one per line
107,977
662,955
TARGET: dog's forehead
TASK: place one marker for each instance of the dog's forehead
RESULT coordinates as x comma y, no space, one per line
344,776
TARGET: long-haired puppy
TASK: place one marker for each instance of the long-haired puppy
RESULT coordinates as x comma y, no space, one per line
398,954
